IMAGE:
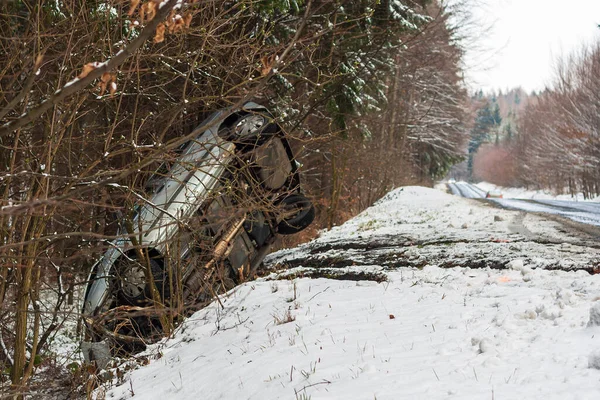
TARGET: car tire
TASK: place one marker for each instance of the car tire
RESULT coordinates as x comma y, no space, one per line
301,219
132,286
246,129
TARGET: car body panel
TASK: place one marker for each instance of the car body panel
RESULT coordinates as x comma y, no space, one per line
160,217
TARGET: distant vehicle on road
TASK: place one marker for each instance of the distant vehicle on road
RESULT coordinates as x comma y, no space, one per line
493,194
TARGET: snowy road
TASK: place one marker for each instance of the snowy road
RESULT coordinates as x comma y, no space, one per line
587,213
579,211
467,190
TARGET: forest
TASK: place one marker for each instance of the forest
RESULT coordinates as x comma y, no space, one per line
546,140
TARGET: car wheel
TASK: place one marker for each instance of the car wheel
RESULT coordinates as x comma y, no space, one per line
131,281
302,214
249,129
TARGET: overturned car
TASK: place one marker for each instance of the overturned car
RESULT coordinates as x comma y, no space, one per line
204,224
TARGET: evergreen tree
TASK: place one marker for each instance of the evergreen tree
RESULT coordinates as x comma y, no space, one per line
497,122
508,132
484,122
517,97
496,115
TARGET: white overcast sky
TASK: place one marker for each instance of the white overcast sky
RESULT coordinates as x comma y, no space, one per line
525,38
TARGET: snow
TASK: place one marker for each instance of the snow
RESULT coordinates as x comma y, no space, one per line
584,212
71,82
594,360
595,315
427,332
523,193
574,208
419,226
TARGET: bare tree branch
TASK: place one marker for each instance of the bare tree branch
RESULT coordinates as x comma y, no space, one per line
78,84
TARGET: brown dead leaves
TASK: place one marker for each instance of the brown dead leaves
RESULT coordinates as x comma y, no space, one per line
134,4
160,33
107,80
147,10
38,61
110,81
87,68
267,64
175,22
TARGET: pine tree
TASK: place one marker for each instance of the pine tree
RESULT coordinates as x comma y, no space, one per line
496,115
508,132
484,122
517,97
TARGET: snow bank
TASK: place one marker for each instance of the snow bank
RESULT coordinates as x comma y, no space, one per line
424,333
417,226
430,334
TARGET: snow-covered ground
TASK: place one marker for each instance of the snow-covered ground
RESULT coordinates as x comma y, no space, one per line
432,328
416,226
522,193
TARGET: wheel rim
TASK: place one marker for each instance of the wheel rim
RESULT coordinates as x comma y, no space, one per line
293,211
132,279
249,125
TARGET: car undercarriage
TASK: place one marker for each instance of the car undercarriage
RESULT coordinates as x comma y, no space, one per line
205,224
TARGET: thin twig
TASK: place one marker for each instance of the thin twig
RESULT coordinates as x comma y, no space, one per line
78,84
